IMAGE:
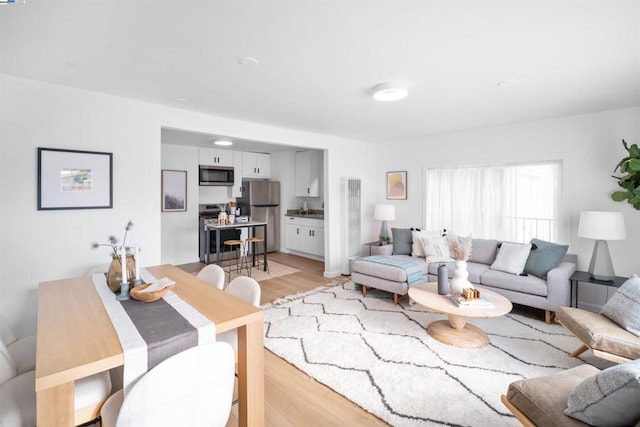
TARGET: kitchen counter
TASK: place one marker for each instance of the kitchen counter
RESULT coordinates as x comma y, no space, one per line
311,213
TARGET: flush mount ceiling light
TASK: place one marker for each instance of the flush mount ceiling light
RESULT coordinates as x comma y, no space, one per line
390,91
223,142
248,61
507,83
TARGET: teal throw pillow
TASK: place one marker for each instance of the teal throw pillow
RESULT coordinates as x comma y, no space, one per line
546,257
402,241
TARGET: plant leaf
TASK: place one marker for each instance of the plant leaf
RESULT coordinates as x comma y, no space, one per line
634,165
619,196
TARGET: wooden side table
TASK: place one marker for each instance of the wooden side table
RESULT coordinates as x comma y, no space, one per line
583,276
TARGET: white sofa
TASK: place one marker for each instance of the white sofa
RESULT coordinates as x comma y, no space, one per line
543,293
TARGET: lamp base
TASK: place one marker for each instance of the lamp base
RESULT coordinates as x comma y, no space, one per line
601,267
384,230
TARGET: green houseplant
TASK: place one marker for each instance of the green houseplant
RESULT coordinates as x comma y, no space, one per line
630,180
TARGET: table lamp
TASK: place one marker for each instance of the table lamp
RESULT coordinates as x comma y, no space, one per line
384,213
601,226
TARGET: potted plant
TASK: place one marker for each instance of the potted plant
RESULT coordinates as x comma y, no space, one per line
630,181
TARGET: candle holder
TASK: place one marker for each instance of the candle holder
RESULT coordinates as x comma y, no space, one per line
124,292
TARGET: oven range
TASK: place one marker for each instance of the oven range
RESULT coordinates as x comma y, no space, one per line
208,213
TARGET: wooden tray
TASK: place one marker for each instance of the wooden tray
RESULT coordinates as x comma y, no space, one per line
147,296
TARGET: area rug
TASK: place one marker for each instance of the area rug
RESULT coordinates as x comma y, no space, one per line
378,355
275,270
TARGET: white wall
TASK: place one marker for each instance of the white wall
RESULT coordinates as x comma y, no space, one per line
589,146
45,245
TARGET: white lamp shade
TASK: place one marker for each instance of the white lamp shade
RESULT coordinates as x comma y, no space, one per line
602,225
384,213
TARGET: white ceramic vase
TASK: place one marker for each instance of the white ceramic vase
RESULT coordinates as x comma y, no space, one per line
460,280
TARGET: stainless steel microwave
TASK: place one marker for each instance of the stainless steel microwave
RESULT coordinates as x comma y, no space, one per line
216,175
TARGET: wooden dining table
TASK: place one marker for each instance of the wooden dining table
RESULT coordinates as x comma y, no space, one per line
76,339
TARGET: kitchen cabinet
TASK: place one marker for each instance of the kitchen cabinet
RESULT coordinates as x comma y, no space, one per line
236,189
305,235
256,165
216,157
308,173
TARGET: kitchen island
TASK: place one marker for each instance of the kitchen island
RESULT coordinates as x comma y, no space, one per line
216,228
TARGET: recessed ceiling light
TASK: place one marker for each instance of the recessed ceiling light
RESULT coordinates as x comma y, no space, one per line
248,61
223,142
390,91
182,100
508,82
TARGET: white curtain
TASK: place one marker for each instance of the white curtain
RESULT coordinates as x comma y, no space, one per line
505,202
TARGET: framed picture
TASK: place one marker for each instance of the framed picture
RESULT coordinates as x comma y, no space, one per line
174,191
397,185
73,179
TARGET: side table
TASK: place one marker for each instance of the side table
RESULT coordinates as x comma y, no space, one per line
583,276
375,248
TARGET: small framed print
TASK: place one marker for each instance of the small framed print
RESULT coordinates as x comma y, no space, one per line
74,179
174,191
397,185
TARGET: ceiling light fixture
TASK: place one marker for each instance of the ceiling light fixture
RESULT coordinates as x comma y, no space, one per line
508,82
389,91
223,142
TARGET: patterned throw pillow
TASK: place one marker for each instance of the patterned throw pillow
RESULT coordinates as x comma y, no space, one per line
512,257
416,235
547,256
401,241
624,306
436,249
609,398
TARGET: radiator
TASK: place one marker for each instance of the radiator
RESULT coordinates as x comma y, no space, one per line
351,222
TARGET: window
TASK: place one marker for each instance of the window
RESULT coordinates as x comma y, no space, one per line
505,202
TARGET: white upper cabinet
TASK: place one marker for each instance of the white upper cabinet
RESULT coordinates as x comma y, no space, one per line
236,189
308,173
256,165
216,157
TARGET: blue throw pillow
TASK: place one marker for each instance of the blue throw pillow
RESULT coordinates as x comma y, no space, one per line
402,241
546,257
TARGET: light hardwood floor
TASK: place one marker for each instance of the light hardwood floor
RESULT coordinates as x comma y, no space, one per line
292,398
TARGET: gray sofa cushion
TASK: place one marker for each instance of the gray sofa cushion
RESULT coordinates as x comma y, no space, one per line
546,257
483,251
609,398
523,284
387,272
624,306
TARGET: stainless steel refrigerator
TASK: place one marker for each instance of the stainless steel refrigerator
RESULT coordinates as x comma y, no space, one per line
261,201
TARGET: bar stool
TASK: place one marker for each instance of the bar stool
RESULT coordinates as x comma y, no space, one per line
252,241
241,257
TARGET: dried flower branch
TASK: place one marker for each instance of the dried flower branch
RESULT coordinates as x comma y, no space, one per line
460,247
113,242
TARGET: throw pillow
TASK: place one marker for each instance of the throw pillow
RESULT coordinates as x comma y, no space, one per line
436,249
416,245
401,241
511,257
546,257
483,251
624,306
609,398
7,367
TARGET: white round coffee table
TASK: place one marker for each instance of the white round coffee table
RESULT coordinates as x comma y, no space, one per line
455,330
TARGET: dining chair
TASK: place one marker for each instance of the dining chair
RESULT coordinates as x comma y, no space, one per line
212,274
17,379
247,289
191,388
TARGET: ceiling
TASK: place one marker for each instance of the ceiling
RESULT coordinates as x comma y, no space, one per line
318,59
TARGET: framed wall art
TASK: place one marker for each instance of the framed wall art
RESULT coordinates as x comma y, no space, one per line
397,185
174,190
74,179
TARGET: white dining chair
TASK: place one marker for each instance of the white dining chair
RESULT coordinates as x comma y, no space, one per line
247,289
212,274
17,379
191,388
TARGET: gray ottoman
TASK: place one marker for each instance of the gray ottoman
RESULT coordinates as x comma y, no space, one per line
384,277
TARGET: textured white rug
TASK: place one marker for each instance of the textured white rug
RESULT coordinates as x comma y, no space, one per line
379,356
